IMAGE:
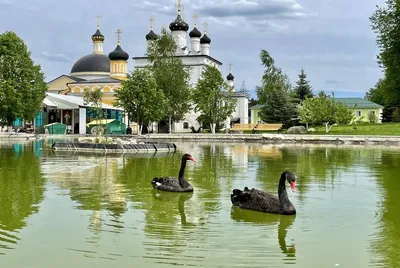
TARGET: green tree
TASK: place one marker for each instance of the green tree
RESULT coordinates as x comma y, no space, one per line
278,105
272,76
22,85
213,97
385,23
171,76
303,89
377,93
94,98
275,93
141,98
324,109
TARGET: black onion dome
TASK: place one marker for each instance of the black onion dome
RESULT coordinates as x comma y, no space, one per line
195,33
151,35
98,36
118,54
230,77
179,24
92,63
205,39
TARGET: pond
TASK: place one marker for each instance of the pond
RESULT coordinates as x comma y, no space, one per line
87,210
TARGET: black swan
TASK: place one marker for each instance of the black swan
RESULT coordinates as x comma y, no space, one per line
171,184
265,202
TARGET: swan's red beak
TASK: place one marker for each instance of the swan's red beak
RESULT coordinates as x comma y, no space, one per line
293,186
191,158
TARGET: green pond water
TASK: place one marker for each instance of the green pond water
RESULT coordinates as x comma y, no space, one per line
87,210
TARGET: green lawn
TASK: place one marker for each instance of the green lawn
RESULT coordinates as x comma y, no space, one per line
392,129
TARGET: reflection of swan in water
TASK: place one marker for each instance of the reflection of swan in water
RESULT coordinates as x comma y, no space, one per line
180,198
259,218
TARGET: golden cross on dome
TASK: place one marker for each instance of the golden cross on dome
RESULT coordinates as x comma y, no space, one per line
195,17
98,17
179,6
151,23
205,24
230,67
118,32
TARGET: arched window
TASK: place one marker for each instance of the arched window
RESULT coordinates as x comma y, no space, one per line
186,125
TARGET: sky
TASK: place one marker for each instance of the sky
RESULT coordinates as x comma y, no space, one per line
331,39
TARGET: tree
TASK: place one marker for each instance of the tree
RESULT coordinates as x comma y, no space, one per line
303,89
278,106
22,85
377,93
213,97
272,76
95,98
385,23
171,76
141,98
275,92
324,109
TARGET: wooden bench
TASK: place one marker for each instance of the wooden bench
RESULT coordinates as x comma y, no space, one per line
256,127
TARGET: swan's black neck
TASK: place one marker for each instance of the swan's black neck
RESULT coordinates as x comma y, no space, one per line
286,206
181,176
282,194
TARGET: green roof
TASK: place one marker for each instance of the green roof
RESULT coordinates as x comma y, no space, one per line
257,106
360,102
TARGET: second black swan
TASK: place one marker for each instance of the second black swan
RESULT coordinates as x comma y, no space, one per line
172,184
265,202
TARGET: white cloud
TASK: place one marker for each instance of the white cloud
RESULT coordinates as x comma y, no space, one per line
51,56
263,9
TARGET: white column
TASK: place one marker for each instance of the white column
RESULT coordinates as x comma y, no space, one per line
195,44
82,120
126,119
72,121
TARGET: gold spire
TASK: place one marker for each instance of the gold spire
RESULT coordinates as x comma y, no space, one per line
205,24
230,67
151,23
179,6
118,32
98,17
195,17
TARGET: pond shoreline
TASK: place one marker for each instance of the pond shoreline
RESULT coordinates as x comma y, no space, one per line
279,138
248,138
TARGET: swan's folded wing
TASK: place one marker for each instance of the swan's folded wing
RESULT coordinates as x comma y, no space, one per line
261,201
167,183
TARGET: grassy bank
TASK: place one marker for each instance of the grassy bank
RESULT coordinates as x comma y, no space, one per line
392,129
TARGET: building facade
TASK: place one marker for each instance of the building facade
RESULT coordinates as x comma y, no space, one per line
106,72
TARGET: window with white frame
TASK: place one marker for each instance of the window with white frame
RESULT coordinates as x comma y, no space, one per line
372,112
358,113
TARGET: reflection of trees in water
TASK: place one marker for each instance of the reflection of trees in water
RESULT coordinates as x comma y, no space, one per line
21,191
215,170
283,223
91,183
386,245
310,164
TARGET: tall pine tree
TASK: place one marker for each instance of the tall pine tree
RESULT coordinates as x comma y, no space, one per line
303,89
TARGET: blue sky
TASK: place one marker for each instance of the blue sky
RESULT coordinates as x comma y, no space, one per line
331,40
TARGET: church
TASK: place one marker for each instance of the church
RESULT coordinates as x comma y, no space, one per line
106,72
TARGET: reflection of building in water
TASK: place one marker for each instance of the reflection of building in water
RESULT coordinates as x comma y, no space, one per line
237,152
91,181
265,150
